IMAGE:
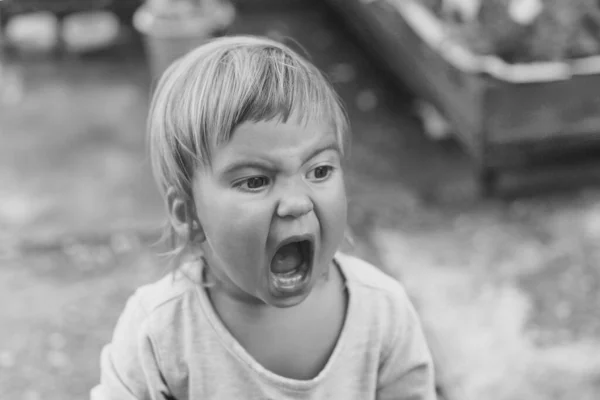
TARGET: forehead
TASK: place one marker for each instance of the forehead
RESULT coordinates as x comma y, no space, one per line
275,139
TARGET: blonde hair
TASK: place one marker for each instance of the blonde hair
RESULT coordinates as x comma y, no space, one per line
202,97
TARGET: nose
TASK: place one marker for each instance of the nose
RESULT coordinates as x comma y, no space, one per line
294,202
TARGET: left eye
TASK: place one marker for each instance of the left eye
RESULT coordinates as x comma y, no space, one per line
320,173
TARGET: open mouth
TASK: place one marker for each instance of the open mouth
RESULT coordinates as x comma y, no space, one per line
292,263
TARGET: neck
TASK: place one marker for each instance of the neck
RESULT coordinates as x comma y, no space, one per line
221,291
230,300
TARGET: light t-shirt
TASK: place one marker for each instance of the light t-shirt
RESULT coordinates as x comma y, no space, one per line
170,344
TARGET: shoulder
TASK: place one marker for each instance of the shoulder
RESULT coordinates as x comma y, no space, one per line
378,295
146,342
382,304
161,294
368,277
164,302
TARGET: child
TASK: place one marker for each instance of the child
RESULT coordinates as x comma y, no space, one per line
247,142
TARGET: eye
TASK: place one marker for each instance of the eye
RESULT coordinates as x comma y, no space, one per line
253,183
320,173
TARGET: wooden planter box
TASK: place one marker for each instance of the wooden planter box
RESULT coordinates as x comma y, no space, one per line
504,115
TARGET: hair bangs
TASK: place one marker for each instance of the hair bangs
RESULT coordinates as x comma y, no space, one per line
272,84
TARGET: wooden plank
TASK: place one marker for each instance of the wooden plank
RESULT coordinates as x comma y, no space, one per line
456,94
544,111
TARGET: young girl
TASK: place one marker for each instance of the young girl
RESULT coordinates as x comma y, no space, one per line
248,144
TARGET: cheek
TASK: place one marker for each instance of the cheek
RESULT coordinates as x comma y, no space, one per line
236,229
332,212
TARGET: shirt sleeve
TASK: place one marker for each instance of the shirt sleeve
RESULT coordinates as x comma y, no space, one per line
129,367
406,372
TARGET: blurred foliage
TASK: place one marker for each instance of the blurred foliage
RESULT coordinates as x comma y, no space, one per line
557,29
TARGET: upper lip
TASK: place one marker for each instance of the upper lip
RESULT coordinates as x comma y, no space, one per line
295,238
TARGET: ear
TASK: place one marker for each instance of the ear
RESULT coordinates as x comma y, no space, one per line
183,217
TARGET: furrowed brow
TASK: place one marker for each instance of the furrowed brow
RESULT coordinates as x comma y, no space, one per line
242,164
264,165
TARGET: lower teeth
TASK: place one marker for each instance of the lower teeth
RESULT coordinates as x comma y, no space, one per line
289,279
287,274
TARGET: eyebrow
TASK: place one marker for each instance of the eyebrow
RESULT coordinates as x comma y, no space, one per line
236,165
331,145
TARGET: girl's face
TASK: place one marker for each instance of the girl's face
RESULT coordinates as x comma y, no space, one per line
273,210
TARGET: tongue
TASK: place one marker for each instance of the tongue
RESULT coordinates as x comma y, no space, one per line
287,259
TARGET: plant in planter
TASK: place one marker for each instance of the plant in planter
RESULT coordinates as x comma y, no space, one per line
510,79
524,30
171,28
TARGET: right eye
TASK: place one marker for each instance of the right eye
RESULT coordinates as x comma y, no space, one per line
253,183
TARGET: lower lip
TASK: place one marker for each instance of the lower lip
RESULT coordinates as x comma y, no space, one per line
291,284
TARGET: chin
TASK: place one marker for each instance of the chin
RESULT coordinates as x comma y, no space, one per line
288,302
279,299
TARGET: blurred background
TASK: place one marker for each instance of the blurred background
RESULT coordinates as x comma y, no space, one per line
472,177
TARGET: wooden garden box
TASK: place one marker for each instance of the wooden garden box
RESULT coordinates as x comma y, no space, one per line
505,115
